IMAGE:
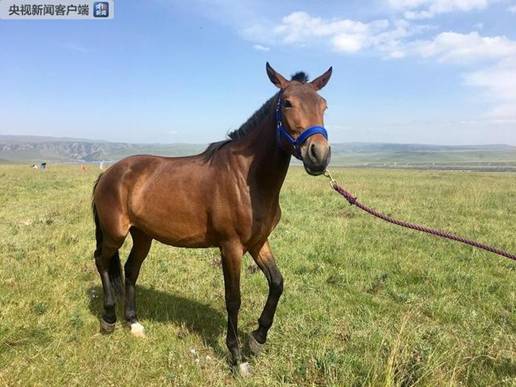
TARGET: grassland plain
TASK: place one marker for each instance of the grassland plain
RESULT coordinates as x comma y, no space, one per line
365,303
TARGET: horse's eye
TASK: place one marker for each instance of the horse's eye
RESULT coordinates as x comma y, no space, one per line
287,104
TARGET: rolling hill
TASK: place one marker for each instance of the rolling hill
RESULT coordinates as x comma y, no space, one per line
33,149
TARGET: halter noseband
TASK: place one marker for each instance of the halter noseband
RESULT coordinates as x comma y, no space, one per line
283,134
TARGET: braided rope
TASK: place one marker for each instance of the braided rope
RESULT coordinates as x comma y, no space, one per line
440,233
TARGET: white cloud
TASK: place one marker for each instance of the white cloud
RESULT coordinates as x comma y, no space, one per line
453,47
75,47
424,9
499,84
390,38
340,35
512,9
496,78
259,47
345,35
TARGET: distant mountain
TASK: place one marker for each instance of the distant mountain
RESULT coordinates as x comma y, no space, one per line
33,149
361,147
17,139
498,156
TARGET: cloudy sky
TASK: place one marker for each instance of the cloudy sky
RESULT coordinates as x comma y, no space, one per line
407,71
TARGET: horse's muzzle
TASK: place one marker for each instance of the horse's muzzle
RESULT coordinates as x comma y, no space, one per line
316,155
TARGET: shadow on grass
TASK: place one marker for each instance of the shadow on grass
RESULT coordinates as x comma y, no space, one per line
156,305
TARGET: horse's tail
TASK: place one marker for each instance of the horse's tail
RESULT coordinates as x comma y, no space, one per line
98,230
115,267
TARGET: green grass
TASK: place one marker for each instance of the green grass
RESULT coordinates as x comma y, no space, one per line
365,302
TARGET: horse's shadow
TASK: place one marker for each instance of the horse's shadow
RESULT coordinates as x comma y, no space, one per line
159,306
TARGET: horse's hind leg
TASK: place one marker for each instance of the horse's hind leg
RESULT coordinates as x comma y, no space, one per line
141,246
108,266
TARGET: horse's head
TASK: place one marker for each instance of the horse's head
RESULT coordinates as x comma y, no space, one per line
300,119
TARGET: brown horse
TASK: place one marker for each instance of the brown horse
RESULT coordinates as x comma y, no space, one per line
225,197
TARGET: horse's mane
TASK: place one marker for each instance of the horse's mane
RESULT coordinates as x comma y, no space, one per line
252,121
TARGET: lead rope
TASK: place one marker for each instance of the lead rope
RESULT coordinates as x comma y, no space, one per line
352,200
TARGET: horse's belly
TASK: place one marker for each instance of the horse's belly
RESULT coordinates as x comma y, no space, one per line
176,234
190,241
176,224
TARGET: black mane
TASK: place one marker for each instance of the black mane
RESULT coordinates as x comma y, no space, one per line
252,121
244,129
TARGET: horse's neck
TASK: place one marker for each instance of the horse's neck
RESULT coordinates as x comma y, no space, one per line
268,163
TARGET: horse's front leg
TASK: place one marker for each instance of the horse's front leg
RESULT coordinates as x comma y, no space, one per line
231,264
265,260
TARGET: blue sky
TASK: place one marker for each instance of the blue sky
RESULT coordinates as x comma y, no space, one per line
162,71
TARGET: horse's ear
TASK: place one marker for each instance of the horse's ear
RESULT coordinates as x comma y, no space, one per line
275,77
321,81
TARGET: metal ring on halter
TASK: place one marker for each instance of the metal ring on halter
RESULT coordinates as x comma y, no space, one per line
333,182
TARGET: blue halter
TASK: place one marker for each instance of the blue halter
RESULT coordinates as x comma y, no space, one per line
284,135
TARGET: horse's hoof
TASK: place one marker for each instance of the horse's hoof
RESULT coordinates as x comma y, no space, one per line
106,327
244,370
254,346
137,329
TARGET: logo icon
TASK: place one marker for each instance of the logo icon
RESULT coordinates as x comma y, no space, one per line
101,9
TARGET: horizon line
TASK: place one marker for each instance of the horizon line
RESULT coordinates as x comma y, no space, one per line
80,139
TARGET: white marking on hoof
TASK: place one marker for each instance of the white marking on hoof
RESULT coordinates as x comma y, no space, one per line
254,346
106,327
137,329
244,369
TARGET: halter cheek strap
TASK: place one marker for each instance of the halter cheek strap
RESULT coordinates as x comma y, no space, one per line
284,136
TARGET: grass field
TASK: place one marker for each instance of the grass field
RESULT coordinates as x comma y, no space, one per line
365,303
